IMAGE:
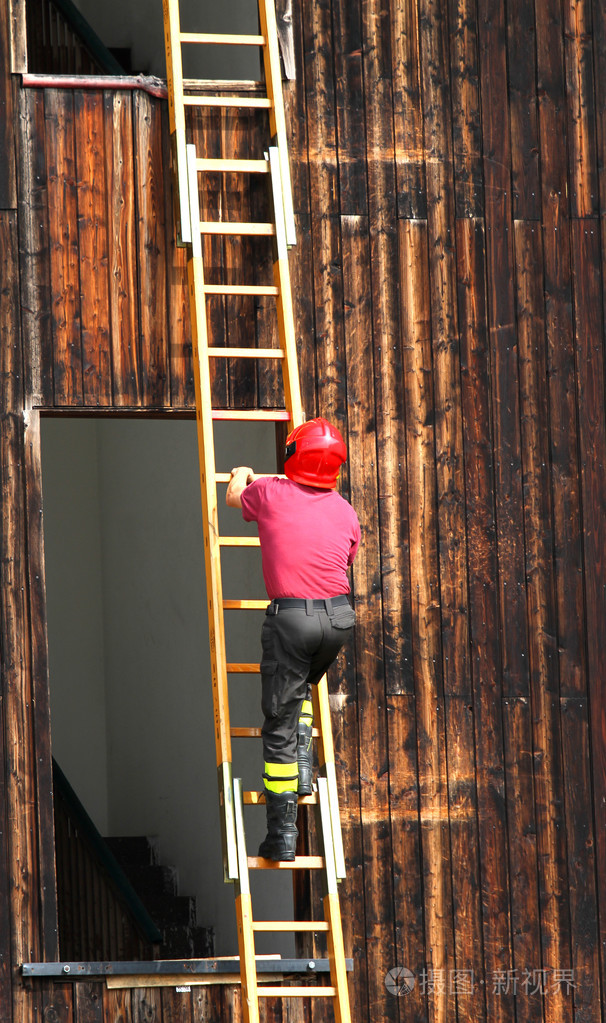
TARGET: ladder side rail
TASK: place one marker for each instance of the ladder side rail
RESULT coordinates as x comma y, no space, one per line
246,935
277,119
176,115
210,518
326,757
332,910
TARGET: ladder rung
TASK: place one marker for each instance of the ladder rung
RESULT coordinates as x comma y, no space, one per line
258,415
239,166
299,863
218,37
252,732
258,798
244,605
238,541
247,353
224,477
227,227
261,102
290,925
265,991
243,669
241,289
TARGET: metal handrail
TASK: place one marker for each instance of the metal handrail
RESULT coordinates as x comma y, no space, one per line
104,856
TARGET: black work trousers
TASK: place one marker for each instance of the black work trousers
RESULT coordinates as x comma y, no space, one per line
300,640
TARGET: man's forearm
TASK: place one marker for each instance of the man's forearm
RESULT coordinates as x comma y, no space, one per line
241,476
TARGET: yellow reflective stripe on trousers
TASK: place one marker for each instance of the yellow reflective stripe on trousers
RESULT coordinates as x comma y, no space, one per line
281,777
306,712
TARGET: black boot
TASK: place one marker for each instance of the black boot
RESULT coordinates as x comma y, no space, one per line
304,746
282,831
304,758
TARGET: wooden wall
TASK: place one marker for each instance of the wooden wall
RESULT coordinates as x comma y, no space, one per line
106,309
449,176
448,165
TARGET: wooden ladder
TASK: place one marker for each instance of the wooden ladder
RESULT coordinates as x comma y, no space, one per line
187,167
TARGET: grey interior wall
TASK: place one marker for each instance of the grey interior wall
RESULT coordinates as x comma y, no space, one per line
143,603
139,27
75,610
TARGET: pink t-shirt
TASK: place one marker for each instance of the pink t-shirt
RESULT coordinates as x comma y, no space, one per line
308,537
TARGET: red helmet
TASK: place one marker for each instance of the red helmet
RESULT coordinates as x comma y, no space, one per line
315,451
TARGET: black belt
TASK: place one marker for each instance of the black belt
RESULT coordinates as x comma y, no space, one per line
324,604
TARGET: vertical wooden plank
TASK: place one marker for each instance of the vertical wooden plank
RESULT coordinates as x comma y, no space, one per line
559,328
523,109
117,1005
581,843
176,1006
598,15
540,583
426,626
363,472
238,251
293,93
231,1001
538,510
349,99
302,288
8,175
34,250
93,247
588,263
11,400
465,859
6,972
300,258
323,174
207,137
501,318
151,248
270,377
407,110
58,1001
448,427
88,1002
206,1004
522,851
18,37
466,114
63,235
385,328
477,431
482,570
41,704
483,603
22,921
580,97
181,372
124,307
146,1006
406,843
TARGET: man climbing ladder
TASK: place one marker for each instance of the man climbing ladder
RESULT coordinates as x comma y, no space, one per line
316,605
309,536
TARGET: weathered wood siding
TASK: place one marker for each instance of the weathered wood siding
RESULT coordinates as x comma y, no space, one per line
448,167
449,175
106,319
